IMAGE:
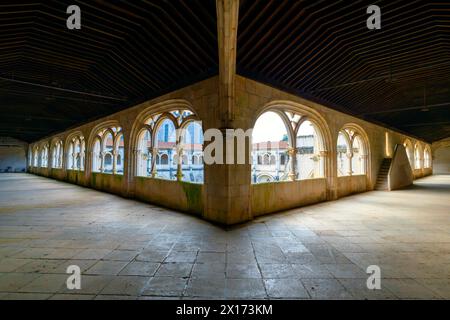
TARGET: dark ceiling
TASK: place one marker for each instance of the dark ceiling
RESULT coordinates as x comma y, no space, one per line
52,78
324,51
126,52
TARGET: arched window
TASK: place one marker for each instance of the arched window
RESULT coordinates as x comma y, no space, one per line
358,152
44,157
417,157
164,159
108,151
108,161
119,153
166,144
36,157
144,154
96,156
427,158
108,145
270,140
343,159
192,148
70,156
76,151
57,155
266,159
352,152
173,147
310,164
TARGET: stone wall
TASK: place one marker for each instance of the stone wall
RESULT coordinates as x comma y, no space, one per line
441,156
13,157
272,197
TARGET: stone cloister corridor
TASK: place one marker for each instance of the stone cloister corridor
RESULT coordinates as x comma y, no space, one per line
132,250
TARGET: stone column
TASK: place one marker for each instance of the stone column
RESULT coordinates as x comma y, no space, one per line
349,157
138,159
180,153
227,186
322,161
102,161
114,158
292,152
154,152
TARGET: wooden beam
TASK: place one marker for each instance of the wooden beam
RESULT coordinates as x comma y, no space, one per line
227,25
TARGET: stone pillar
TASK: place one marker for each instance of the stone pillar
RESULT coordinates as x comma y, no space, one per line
293,157
102,161
349,157
138,159
154,152
322,162
114,158
180,153
227,186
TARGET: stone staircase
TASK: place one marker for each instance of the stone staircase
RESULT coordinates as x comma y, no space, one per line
382,179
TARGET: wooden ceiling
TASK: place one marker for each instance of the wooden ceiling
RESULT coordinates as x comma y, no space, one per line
324,51
126,52
52,78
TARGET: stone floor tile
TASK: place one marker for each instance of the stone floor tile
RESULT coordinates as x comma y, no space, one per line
346,270
91,254
107,267
26,296
46,283
121,255
358,289
242,271
285,288
175,269
11,282
205,287
439,286
41,266
208,270
311,271
181,256
12,264
277,271
125,285
326,289
140,268
90,284
165,286
211,257
408,289
245,289
152,256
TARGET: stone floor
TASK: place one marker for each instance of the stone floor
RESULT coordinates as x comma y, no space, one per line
132,250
